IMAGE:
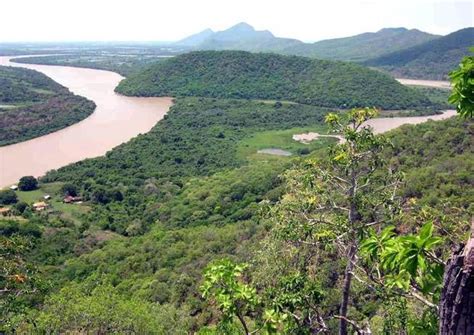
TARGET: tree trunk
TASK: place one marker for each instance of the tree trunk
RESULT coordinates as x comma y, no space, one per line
456,309
346,288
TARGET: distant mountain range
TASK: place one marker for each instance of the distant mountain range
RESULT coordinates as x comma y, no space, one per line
364,46
433,59
403,52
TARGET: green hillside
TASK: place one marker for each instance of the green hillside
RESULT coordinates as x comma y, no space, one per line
431,60
186,199
32,104
238,74
363,46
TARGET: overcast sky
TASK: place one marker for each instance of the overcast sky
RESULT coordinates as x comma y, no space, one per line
162,20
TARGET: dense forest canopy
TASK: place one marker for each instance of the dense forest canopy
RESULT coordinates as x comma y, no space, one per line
32,104
243,75
167,203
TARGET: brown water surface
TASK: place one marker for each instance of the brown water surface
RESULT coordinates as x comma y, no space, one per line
116,120
427,83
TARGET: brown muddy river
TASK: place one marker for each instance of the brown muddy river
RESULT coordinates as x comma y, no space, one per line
427,83
116,120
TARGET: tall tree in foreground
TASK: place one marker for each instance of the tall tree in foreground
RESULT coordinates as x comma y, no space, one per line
329,208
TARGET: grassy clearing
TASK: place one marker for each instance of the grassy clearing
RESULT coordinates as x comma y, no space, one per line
72,212
280,139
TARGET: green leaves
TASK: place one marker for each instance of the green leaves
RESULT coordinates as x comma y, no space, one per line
406,260
462,80
223,285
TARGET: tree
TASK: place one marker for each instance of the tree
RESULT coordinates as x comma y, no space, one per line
8,197
28,183
457,297
329,208
69,189
462,80
19,279
234,298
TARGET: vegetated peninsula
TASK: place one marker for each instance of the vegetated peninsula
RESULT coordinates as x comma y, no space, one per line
431,60
244,75
32,104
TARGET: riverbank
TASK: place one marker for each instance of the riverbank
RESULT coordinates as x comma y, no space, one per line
116,120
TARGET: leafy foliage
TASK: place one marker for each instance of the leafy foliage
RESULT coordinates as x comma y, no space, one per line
7,197
407,259
101,310
463,87
232,297
19,279
28,183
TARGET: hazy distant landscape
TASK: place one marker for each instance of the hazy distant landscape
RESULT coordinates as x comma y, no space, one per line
152,187
402,52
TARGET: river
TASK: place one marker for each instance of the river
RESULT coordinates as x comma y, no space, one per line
427,83
116,120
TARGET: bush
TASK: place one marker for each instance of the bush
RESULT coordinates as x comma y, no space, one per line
8,197
69,189
28,183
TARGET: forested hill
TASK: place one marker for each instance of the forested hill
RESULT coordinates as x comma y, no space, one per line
363,46
238,74
432,60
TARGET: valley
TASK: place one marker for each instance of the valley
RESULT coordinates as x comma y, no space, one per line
234,182
105,128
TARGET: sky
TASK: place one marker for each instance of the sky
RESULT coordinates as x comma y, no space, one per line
170,20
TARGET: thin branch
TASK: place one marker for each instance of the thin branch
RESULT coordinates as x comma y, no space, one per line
423,300
351,322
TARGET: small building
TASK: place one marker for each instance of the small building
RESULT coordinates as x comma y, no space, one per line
14,187
40,206
5,211
46,197
70,199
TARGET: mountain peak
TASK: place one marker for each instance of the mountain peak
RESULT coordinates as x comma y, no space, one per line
393,30
242,26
